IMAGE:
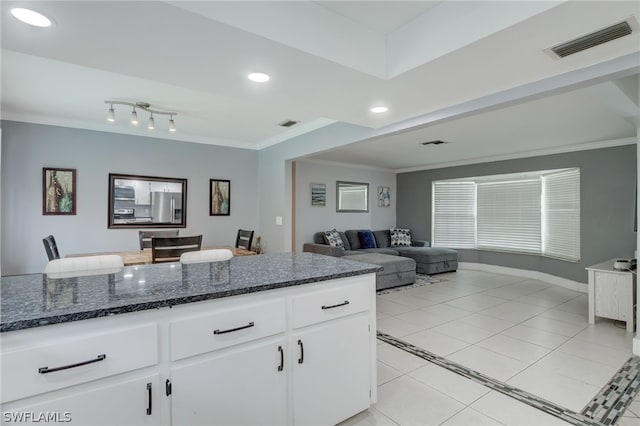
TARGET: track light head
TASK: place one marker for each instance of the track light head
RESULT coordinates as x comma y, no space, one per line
134,117
111,115
172,125
152,123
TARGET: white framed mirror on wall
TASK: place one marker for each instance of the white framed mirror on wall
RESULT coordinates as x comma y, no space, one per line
352,197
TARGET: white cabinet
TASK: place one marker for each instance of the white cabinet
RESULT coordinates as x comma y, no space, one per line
142,191
130,402
290,356
331,371
612,293
244,386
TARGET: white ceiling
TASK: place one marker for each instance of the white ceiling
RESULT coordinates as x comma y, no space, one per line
329,61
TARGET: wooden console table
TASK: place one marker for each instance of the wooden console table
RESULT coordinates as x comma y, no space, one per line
143,257
612,293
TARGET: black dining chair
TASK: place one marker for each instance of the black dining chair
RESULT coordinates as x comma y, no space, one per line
244,238
51,247
169,249
144,237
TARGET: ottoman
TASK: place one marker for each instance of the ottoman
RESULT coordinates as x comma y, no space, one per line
397,270
431,260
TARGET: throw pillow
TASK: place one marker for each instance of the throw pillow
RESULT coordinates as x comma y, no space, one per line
333,238
400,237
367,239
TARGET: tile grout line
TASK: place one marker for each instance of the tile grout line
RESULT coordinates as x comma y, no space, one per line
548,407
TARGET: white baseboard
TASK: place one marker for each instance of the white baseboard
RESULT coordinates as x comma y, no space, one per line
536,275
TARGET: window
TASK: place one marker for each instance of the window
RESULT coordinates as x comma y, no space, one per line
534,212
454,214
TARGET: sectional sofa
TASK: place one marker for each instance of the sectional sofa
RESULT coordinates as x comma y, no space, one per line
400,263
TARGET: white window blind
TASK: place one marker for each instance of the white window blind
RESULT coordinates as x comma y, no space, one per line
561,214
509,215
453,217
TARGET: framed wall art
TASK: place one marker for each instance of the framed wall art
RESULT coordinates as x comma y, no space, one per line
219,197
318,194
58,191
384,197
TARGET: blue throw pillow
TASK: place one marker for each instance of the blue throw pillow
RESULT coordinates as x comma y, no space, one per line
367,240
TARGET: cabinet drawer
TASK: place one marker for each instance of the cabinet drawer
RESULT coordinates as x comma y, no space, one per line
37,369
324,305
223,328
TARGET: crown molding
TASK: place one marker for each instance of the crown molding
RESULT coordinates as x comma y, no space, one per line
346,165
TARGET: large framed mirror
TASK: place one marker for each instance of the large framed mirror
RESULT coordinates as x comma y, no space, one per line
352,197
147,202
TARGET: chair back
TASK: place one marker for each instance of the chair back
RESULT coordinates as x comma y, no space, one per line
144,237
51,247
213,255
169,249
84,265
244,238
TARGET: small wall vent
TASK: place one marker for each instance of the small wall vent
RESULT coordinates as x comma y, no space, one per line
436,142
591,40
288,123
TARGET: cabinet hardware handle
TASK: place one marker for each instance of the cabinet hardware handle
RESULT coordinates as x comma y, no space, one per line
301,359
233,329
281,366
346,302
167,387
45,370
149,397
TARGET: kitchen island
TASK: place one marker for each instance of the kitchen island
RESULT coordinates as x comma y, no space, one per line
280,338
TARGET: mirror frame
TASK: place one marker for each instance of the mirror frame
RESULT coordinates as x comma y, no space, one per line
111,202
339,185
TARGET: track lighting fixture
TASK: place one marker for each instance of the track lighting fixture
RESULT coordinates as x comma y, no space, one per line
145,106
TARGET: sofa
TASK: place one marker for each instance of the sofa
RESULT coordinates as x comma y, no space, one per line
400,263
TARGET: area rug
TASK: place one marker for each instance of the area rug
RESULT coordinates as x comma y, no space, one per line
421,280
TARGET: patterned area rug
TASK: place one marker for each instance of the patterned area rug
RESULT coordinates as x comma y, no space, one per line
421,279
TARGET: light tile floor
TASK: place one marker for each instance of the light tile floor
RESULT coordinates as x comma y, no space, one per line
528,333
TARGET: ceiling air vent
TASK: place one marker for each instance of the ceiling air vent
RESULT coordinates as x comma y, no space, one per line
437,142
288,123
590,40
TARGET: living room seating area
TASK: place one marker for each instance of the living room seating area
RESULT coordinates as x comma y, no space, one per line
393,249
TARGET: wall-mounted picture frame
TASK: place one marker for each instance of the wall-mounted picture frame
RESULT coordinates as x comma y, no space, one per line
219,197
58,191
318,194
384,196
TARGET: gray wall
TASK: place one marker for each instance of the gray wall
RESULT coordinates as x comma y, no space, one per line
26,148
274,177
311,219
607,196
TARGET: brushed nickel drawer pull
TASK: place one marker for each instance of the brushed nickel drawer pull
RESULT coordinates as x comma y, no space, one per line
251,324
346,302
45,370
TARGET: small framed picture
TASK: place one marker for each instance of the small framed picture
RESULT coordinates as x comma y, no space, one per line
384,197
318,194
58,191
219,197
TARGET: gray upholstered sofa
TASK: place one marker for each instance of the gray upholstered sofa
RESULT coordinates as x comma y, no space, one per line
397,271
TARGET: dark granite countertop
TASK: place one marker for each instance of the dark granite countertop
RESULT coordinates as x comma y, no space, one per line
37,299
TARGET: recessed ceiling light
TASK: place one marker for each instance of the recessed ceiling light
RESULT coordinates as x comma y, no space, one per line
258,77
31,17
379,109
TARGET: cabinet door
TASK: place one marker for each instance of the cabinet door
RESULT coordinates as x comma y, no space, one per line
240,387
124,403
613,294
331,371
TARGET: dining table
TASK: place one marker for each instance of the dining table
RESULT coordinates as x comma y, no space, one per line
143,257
